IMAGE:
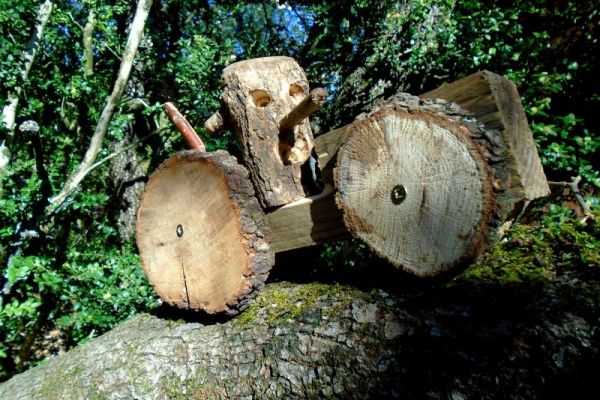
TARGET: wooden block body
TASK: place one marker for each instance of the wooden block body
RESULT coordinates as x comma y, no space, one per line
494,100
257,94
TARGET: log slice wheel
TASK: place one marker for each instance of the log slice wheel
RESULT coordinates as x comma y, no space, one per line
414,186
201,233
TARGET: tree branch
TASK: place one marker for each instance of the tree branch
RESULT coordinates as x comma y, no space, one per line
74,21
573,185
88,48
133,41
9,111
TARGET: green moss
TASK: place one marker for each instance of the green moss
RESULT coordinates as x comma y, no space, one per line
276,305
53,384
190,389
535,254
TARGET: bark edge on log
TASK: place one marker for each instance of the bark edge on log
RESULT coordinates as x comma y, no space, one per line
201,233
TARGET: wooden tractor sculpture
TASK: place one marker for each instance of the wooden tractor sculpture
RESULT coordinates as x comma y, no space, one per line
428,183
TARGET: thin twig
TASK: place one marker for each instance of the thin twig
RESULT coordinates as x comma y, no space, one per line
573,185
73,20
114,53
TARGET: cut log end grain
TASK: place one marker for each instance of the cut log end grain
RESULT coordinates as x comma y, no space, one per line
201,233
415,188
495,101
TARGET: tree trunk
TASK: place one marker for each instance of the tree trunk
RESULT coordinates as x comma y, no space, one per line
128,178
9,112
136,31
201,234
258,94
322,341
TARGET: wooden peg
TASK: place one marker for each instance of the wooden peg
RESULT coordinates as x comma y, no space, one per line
311,103
214,123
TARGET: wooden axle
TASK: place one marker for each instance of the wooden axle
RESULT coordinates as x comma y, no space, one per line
306,222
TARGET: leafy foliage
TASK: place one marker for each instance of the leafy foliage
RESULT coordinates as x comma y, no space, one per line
70,268
549,50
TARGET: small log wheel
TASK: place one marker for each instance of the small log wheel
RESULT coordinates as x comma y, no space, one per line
413,185
201,233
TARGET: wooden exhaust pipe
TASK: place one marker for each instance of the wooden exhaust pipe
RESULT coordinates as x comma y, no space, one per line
189,134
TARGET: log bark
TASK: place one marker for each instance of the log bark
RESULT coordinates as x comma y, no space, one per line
321,341
257,94
494,100
201,235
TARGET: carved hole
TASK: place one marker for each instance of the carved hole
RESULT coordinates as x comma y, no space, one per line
260,98
297,90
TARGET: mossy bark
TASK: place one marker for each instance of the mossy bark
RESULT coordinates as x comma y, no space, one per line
316,341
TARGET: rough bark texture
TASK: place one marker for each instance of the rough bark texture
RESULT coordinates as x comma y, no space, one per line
257,94
201,233
321,341
494,100
128,178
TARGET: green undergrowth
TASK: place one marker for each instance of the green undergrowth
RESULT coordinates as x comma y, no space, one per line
540,252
